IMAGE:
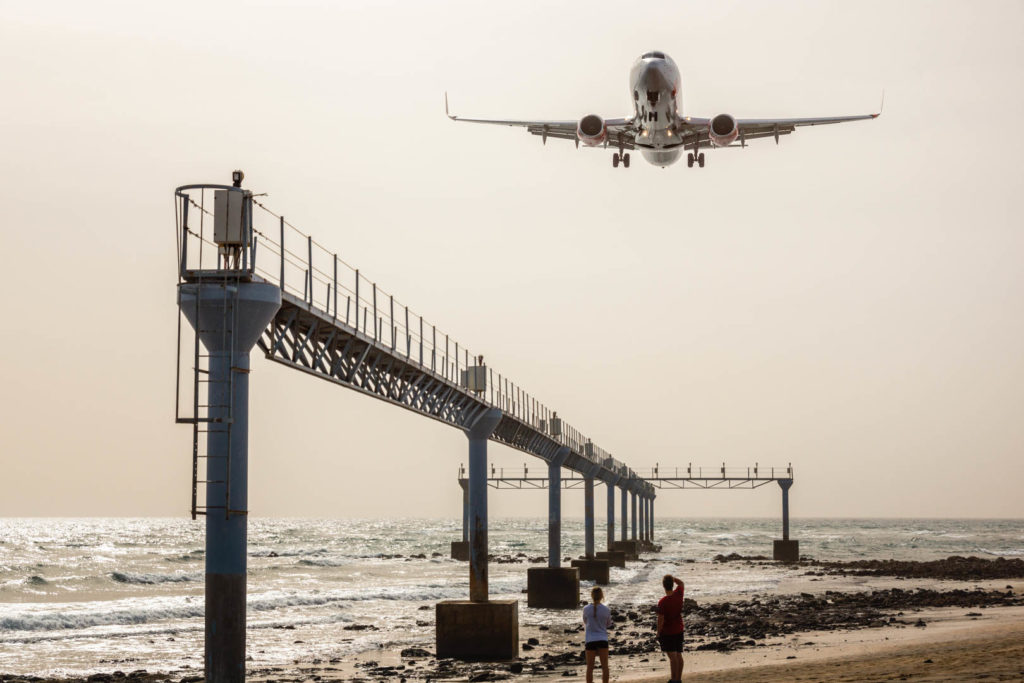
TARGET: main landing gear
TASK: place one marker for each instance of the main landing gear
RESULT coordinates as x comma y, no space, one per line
691,157
624,158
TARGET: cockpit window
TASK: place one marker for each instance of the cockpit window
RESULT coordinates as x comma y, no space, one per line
654,55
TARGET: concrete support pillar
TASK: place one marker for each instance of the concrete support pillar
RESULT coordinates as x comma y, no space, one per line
611,515
643,518
555,507
625,512
460,549
465,509
588,517
229,318
554,586
650,522
634,528
478,435
786,550
785,484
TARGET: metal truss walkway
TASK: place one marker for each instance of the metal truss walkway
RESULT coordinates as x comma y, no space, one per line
659,478
714,477
336,324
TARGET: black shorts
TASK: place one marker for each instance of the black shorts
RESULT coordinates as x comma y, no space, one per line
671,643
597,645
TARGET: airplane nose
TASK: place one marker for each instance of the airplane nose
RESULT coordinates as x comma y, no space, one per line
654,78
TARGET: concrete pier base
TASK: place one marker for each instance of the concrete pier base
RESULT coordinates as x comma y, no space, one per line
593,570
481,631
460,551
616,558
225,627
786,551
554,587
631,548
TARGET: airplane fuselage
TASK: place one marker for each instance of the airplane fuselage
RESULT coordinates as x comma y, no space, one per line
657,103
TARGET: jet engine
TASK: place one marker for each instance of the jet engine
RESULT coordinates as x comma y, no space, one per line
591,130
723,130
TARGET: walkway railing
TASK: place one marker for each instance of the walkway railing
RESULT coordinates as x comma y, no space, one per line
280,253
721,472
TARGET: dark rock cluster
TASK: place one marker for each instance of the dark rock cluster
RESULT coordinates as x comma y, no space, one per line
953,568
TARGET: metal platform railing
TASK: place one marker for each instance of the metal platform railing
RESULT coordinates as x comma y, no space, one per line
280,253
770,473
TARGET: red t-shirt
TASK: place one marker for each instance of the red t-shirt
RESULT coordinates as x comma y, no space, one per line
671,607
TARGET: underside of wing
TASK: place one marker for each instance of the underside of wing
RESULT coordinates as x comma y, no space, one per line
614,132
752,129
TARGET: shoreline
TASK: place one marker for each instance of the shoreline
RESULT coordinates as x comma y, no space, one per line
809,617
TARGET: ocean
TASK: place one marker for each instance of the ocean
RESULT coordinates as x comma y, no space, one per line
79,596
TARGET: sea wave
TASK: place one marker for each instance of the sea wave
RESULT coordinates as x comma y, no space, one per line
152,579
76,617
320,563
1003,553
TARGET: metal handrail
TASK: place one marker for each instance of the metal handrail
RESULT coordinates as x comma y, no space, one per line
308,271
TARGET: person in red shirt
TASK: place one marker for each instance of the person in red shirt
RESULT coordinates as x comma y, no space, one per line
670,625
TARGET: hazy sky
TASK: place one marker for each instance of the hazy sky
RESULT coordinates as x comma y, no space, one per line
849,301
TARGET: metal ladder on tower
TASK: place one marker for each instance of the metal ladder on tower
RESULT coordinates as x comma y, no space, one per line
203,420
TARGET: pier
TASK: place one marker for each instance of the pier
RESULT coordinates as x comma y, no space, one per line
247,277
640,485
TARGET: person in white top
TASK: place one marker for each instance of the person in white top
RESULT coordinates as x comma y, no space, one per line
597,618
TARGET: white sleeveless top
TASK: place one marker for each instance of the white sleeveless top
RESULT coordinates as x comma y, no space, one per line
597,619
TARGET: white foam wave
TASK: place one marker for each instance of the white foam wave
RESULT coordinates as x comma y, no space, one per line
75,616
1003,553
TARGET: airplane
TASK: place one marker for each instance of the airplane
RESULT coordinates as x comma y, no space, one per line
657,128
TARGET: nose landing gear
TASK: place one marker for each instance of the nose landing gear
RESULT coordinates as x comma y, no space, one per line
691,158
624,158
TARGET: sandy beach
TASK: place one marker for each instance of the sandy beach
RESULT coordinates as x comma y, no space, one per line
843,625
954,647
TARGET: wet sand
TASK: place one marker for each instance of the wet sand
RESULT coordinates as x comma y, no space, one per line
978,650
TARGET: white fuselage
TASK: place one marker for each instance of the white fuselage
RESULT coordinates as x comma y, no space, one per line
657,103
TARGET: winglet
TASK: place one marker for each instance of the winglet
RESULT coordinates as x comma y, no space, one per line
451,116
881,106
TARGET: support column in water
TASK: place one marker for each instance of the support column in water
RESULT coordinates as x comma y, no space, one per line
643,518
229,316
650,522
588,516
633,498
785,484
555,507
786,550
478,434
625,513
611,513
465,509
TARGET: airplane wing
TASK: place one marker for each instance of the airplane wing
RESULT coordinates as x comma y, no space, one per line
620,131
752,129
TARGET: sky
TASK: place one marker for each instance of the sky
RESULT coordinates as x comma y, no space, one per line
848,301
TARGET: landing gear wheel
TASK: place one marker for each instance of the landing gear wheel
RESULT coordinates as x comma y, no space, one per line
625,159
689,160
700,159
615,160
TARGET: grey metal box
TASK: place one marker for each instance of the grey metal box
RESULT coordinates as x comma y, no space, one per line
475,378
556,426
228,227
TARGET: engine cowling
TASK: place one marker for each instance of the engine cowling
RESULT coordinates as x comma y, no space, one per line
723,130
591,130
